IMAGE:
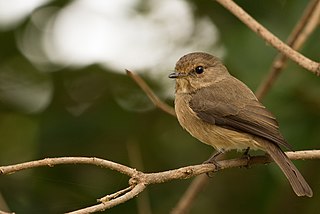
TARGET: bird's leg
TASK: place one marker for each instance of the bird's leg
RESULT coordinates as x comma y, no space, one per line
247,156
246,152
213,160
213,157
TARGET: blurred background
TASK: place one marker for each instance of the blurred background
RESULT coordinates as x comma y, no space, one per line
64,92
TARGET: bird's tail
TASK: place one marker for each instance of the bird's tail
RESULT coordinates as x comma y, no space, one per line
297,182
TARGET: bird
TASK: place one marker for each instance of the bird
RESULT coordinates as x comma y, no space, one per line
221,111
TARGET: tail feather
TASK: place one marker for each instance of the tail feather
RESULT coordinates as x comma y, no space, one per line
296,180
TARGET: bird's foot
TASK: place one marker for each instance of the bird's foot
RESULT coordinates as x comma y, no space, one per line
213,160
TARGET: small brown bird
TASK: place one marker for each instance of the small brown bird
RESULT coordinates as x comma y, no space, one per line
223,112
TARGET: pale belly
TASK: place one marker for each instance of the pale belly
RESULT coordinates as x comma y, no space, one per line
215,136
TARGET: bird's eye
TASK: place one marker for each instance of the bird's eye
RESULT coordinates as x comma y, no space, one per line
199,70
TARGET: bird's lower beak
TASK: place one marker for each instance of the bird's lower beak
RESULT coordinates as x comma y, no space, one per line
173,75
177,75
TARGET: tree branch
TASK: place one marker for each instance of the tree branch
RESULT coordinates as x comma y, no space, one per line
186,201
135,160
305,26
68,160
139,180
303,61
135,190
154,99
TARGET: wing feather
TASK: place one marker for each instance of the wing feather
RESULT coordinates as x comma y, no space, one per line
232,105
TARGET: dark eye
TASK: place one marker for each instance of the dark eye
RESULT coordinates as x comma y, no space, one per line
199,70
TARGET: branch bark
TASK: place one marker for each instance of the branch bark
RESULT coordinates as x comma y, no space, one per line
303,61
154,99
140,180
301,32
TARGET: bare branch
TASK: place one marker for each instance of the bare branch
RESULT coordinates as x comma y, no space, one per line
4,206
303,61
140,180
51,162
3,212
109,204
135,160
154,99
298,36
186,201
115,195
189,196
158,177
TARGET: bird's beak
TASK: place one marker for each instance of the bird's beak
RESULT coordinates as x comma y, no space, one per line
177,75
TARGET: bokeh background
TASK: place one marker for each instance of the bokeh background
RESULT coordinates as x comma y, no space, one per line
64,92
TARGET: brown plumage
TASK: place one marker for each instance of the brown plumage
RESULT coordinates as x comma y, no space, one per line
221,111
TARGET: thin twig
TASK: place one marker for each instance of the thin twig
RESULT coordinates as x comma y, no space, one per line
115,195
306,25
4,206
186,201
303,61
140,180
3,212
68,160
135,159
107,205
155,100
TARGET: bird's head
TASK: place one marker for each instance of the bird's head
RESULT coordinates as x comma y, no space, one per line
197,70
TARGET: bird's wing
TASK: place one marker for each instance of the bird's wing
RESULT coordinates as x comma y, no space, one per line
231,104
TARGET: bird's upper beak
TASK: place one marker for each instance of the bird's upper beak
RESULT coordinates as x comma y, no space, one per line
177,75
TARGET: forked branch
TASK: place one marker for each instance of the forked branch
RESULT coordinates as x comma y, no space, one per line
140,180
